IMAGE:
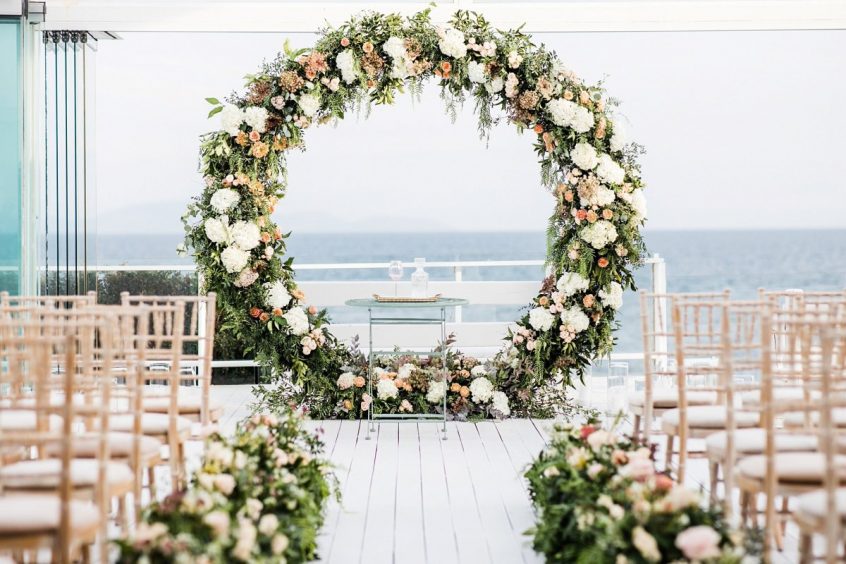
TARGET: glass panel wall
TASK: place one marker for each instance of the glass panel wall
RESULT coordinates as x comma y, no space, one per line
10,155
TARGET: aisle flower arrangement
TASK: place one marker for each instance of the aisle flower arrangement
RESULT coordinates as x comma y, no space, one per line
586,164
258,497
598,499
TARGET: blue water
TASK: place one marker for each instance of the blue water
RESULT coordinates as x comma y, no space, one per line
696,261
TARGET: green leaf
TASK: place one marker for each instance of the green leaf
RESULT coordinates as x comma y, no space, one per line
216,110
213,101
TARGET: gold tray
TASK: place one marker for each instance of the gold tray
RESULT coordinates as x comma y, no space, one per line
405,300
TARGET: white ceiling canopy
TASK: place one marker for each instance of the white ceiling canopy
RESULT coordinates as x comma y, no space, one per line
538,16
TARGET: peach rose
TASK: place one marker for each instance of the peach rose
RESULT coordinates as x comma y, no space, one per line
592,217
347,405
538,128
464,391
254,136
455,387
581,214
543,300
602,262
588,300
367,47
264,317
255,312
345,42
568,196
699,543
359,382
312,310
277,312
568,95
607,214
265,237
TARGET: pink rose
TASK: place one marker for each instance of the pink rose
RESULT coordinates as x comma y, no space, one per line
699,543
638,469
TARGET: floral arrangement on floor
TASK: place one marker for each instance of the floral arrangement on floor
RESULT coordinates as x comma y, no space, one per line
598,499
594,237
258,496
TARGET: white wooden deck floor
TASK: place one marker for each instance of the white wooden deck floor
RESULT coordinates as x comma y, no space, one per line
410,497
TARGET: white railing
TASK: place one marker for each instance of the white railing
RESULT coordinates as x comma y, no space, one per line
481,337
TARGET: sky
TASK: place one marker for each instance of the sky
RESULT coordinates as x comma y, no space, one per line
743,130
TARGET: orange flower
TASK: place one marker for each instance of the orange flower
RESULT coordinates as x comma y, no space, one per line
367,47
345,42
280,143
264,317
347,405
259,150
241,139
592,217
312,310
543,300
298,294
538,128
464,391
589,300
310,74
446,66
663,482
371,83
607,214
562,188
455,387
359,382
255,312
581,214
277,312
602,262
568,196
548,142
277,234
568,95
265,237
254,136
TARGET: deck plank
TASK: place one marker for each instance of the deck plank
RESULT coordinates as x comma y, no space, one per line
409,525
378,539
438,520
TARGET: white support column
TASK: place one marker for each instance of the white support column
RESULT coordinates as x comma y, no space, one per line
32,166
459,275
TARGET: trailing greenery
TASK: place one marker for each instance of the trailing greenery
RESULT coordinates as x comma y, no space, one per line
258,497
594,232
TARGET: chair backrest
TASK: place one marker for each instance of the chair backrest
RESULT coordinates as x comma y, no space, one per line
198,337
58,302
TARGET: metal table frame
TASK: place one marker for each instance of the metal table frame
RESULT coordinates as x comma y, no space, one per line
370,304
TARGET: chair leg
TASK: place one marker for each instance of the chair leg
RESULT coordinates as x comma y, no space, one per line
669,455
806,548
636,432
151,482
714,471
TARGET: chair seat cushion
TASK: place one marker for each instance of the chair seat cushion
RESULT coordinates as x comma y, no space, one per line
188,405
44,474
151,424
120,446
34,514
792,467
24,420
815,504
668,398
710,417
753,441
797,418
752,398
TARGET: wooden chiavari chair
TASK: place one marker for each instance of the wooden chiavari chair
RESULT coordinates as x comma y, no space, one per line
700,329
47,301
50,518
777,473
660,393
197,353
824,511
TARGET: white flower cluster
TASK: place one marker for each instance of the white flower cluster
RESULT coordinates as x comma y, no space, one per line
584,156
574,319
346,380
637,201
309,104
224,200
297,321
277,295
437,391
599,234
569,114
511,84
402,66
619,138
386,389
515,59
246,278
600,196
217,229
452,44
405,371
571,282
495,85
499,403
476,72
613,296
609,171
245,235
345,61
231,118
234,259
481,389
541,319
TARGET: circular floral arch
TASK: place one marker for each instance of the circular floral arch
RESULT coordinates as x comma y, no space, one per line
593,238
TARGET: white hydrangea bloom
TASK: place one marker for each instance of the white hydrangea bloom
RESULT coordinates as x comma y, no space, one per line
479,370
386,389
638,202
437,391
481,389
297,321
452,44
609,171
246,278
511,84
619,138
394,47
476,72
584,156
309,104
224,200
345,61
599,234
499,402
256,118
575,319
495,85
245,234
569,114
583,120
277,295
541,319
571,282
405,370
217,229
234,259
346,380
231,118
613,296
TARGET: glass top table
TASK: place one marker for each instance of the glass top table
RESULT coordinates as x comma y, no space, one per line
383,317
